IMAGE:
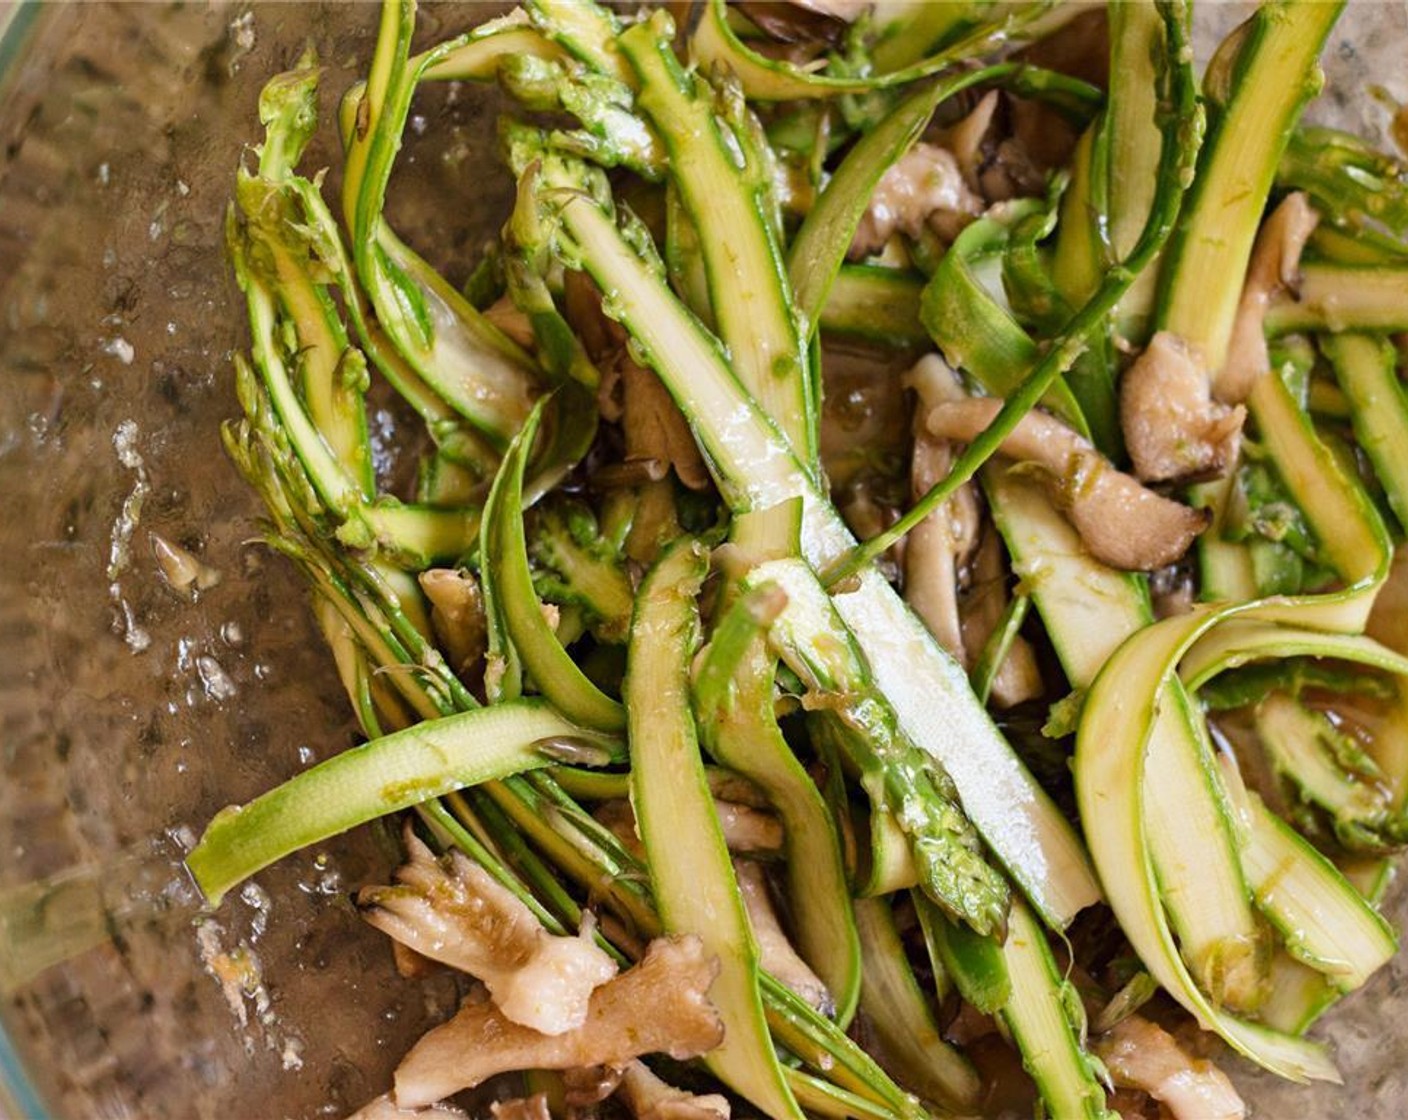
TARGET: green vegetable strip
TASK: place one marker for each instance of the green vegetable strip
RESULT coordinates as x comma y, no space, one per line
893,772
1299,995
749,292
1116,722
976,333
1342,297
928,691
994,652
689,866
899,1016
1131,141
1363,192
1325,922
1180,124
975,963
263,457
737,724
1039,1015
1346,525
511,840
821,244
586,30
477,58
380,777
599,865
1089,610
450,345
338,490
506,553
1274,75
876,305
333,375
606,872
800,1029
1201,874
764,79
1079,259
417,537
458,443
821,1098
1366,368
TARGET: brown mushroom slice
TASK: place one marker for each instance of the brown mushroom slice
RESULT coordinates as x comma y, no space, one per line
775,951
384,1108
457,614
747,831
588,1085
451,911
654,427
1141,1055
966,138
1018,678
650,1098
925,188
508,318
939,546
808,21
521,1108
1173,428
1120,522
659,1006
1274,267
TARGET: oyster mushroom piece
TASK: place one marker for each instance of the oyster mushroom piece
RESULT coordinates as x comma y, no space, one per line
1173,428
451,911
746,831
521,1108
775,951
1121,523
924,188
457,614
940,545
659,1006
384,1108
1274,268
649,1098
1141,1055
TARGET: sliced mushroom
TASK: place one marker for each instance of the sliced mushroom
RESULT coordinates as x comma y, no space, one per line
1173,428
924,189
1122,524
650,1098
847,10
939,546
965,139
384,1108
521,1108
805,22
457,614
451,911
654,427
1274,267
747,831
588,1085
659,1006
513,322
1017,678
1141,1055
775,951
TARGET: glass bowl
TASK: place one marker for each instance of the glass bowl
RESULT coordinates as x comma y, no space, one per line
131,706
